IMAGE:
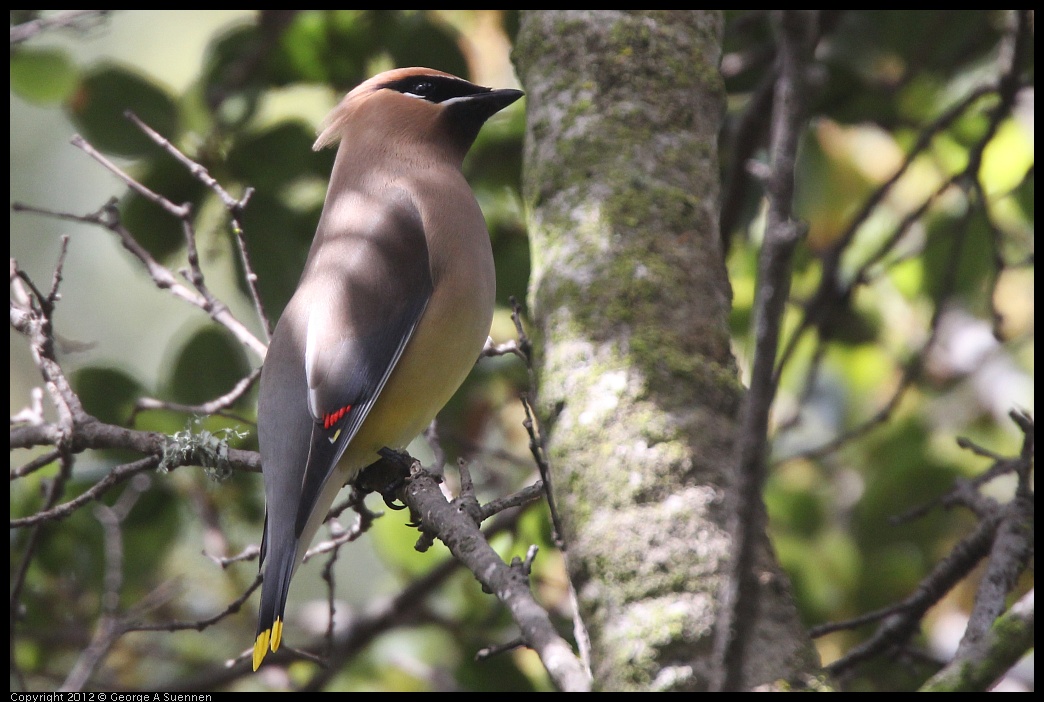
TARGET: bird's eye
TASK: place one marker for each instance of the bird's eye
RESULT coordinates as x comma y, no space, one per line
423,88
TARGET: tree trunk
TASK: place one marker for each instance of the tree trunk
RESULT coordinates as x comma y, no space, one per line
638,386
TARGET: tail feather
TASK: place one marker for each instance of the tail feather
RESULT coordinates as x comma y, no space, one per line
274,590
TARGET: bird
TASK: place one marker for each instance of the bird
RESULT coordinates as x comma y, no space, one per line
391,311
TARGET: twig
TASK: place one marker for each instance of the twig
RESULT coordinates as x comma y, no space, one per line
1011,552
817,311
523,497
1005,534
178,211
200,624
340,537
403,608
235,209
69,18
536,447
108,217
249,553
523,348
747,137
912,367
216,406
44,459
66,509
484,654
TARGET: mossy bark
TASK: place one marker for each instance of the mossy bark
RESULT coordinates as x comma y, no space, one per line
638,386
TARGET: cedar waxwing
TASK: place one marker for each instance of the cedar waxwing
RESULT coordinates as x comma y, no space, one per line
391,312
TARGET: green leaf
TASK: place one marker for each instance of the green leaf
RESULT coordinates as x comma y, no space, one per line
229,91
328,46
150,532
107,393
413,39
98,105
42,76
208,366
272,159
959,255
511,258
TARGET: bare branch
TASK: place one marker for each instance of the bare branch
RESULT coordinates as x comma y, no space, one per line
201,624
108,628
218,405
461,535
795,31
523,497
979,667
178,211
1004,535
76,19
905,617
108,217
235,209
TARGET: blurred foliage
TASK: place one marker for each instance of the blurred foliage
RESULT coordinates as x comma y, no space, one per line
99,102
923,264
209,364
881,80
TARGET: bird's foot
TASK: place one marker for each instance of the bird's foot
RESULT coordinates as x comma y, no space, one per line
386,476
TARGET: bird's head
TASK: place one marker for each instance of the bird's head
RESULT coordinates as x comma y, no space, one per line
416,104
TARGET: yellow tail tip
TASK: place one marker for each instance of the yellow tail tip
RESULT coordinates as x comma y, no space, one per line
277,634
269,638
261,647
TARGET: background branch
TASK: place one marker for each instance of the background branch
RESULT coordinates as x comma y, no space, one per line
795,32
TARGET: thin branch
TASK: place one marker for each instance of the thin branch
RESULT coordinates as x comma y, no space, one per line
108,629
912,367
898,628
32,312
831,290
521,498
76,19
795,31
201,624
340,535
54,490
748,136
404,608
34,321
1004,534
218,405
197,170
95,435
249,553
44,459
461,535
484,654
235,210
978,669
523,348
66,509
1009,557
178,211
108,217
